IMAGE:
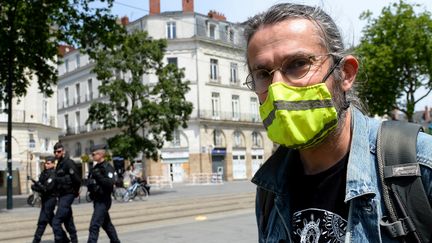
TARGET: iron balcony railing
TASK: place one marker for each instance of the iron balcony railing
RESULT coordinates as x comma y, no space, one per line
228,116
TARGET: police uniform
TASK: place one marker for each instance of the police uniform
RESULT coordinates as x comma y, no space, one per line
68,183
100,185
45,186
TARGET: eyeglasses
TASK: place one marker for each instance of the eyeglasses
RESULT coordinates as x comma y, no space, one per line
58,151
293,68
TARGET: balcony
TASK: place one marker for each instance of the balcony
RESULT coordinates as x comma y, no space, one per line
214,79
83,129
17,116
70,131
77,100
229,116
95,127
89,96
48,120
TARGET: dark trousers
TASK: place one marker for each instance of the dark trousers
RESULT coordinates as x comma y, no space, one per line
46,216
101,218
64,216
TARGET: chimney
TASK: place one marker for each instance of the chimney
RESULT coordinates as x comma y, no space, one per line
427,116
124,20
216,15
188,6
154,7
64,49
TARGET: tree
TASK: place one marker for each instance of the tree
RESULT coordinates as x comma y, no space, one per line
396,54
147,113
31,31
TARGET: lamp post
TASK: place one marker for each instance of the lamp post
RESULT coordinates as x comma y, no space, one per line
10,62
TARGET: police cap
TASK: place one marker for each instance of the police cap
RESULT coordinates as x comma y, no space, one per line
98,147
50,158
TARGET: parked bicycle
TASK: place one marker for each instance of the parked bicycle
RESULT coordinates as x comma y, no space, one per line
137,189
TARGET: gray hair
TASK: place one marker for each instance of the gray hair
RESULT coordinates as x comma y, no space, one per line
330,37
330,34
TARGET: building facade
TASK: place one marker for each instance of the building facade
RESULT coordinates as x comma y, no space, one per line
34,133
225,133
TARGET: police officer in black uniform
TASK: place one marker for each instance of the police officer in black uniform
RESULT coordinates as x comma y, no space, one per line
46,187
68,183
100,185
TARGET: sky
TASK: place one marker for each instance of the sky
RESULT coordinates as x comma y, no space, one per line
345,13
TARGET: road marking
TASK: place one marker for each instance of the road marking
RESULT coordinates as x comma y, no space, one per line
200,218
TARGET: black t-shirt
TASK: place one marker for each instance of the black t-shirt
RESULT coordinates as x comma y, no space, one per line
319,213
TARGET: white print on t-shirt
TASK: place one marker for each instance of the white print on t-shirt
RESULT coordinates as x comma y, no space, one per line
314,225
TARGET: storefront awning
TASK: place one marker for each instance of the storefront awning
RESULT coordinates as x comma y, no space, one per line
219,151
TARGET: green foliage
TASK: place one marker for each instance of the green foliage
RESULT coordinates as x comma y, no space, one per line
31,31
85,158
146,112
396,55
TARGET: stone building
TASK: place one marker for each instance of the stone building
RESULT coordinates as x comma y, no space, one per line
224,133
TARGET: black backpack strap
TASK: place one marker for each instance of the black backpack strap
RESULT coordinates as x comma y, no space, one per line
410,213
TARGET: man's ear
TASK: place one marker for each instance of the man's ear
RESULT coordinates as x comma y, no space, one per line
350,69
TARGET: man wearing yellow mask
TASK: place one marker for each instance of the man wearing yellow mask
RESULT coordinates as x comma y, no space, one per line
323,178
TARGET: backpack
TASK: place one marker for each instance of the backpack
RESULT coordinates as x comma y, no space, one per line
410,213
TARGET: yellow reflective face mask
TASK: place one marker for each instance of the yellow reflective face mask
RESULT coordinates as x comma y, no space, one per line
298,117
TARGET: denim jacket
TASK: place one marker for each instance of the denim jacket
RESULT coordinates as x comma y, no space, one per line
362,192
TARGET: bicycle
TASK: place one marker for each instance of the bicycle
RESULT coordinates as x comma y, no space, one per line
118,193
136,189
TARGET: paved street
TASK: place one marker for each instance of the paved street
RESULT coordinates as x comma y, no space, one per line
239,228
217,223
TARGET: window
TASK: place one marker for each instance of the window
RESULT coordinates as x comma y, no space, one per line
78,63
89,89
90,145
3,107
212,31
256,140
77,94
215,106
46,144
235,107
45,111
213,69
118,74
78,150
254,109
66,120
217,138
172,60
99,92
66,97
233,76
32,142
171,30
237,139
176,138
66,62
77,121
231,36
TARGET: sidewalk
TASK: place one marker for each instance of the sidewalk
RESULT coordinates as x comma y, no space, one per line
178,190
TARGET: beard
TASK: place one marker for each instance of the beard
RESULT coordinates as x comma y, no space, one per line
341,105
